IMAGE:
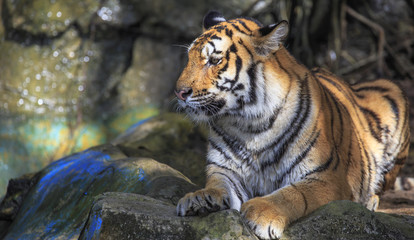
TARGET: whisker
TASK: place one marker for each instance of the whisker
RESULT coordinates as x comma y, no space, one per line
185,46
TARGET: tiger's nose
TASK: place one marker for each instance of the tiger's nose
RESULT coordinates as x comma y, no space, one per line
183,93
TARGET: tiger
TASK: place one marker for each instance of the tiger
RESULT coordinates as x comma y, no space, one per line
284,140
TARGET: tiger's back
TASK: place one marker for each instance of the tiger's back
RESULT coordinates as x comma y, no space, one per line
285,140
380,110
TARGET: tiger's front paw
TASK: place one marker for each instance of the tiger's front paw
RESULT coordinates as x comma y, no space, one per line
203,202
264,218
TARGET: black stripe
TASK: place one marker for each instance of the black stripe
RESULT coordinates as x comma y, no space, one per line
219,28
229,33
238,29
263,85
227,55
345,91
233,48
348,160
312,179
236,189
244,25
221,166
283,69
372,115
246,48
362,166
298,158
265,126
338,159
251,72
239,64
235,145
330,108
341,121
220,150
303,196
212,44
224,68
394,108
329,98
238,87
215,37
321,168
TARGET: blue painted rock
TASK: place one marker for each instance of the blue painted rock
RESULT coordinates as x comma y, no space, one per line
57,206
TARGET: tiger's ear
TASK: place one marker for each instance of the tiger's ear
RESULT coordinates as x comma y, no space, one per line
268,38
212,18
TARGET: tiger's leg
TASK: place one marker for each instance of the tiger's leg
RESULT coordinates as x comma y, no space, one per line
389,178
269,215
222,191
373,203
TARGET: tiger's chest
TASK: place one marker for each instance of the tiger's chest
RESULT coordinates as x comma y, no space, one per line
262,160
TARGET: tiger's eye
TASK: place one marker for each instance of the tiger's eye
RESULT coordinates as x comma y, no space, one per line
214,61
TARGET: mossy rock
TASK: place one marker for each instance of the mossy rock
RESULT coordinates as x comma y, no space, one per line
171,139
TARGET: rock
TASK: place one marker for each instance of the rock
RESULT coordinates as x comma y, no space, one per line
4,226
50,18
171,139
132,216
151,60
349,220
16,193
57,205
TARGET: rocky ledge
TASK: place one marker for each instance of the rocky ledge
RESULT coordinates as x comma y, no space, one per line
128,190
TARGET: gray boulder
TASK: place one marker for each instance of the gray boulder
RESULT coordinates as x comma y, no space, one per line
132,216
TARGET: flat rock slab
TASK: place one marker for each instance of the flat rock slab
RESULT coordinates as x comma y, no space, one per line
134,216
350,220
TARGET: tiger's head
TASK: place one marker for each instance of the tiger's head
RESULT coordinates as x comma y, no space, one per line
224,64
